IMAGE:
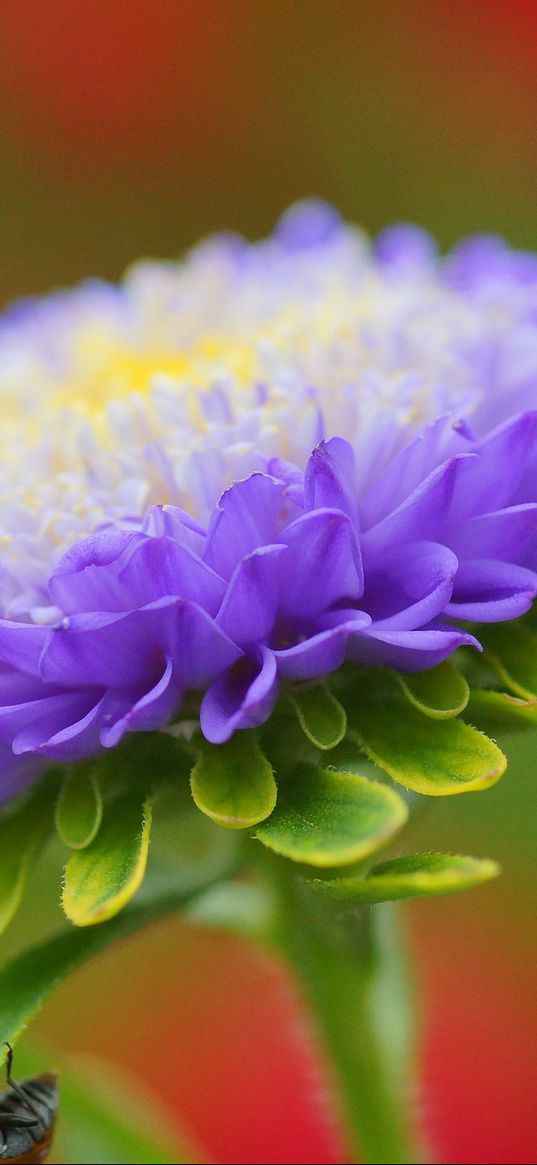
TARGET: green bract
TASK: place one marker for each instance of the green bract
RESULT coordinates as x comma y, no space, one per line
304,786
320,715
451,757
415,876
234,783
512,652
80,808
441,692
330,818
23,830
101,878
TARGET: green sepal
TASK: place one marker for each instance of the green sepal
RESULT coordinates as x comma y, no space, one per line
511,649
79,808
24,828
437,758
233,783
321,717
328,818
102,878
499,710
441,692
415,876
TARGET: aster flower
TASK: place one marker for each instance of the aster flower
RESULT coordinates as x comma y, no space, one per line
268,494
369,549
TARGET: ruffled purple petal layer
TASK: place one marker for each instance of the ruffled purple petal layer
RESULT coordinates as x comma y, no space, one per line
294,574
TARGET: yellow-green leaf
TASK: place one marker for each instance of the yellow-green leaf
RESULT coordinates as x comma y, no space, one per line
321,716
100,879
414,876
23,829
79,809
437,758
511,649
327,818
233,783
442,692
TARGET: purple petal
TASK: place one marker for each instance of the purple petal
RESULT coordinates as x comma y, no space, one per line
321,565
46,705
146,569
345,618
405,245
316,656
433,446
293,479
151,711
309,223
247,516
483,258
22,644
86,578
103,649
160,566
509,535
488,591
242,698
128,651
330,479
68,733
18,688
17,772
407,650
407,587
172,522
250,606
425,514
99,549
495,475
200,650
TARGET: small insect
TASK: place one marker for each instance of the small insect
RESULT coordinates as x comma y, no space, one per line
27,1115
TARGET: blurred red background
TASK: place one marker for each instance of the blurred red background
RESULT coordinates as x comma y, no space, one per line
134,128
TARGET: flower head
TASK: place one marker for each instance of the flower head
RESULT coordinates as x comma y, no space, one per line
251,466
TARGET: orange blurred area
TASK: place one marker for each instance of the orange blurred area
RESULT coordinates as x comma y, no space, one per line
83,85
134,128
219,1031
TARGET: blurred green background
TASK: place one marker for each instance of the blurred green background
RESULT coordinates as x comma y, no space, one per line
131,129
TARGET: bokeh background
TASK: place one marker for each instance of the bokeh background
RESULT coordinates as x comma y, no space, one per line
131,129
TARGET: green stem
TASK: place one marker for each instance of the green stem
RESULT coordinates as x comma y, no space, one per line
356,980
